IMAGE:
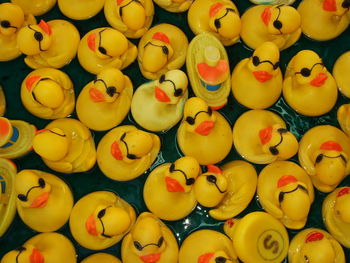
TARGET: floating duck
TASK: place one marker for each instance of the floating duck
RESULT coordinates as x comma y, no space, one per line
257,81
343,116
258,237
100,220
203,133
218,17
12,19
209,70
272,2
324,153
174,6
279,24
126,152
324,20
168,190
104,102
105,47
308,87
286,192
207,246
44,201
158,105
16,138
35,7
52,44
44,247
161,48
80,9
132,18
340,72
261,137
2,102
7,194
48,93
315,245
228,190
66,146
101,257
149,241
336,217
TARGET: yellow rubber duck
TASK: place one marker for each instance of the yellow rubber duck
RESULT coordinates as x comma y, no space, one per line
324,20
257,81
340,73
158,105
336,216
126,152
286,192
7,194
149,241
101,257
44,247
203,133
324,153
35,7
218,17
66,146
207,246
174,6
208,69
308,87
343,116
105,47
162,48
168,191
12,19
80,9
16,138
2,102
279,24
101,219
44,202
104,103
132,18
258,237
261,137
272,2
48,93
315,245
226,190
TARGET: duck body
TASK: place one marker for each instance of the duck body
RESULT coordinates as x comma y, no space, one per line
343,116
48,93
80,9
174,6
273,2
101,257
35,7
340,73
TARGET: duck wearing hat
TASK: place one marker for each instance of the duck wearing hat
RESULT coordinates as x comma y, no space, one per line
132,18
324,153
162,48
340,73
343,116
35,7
80,9
209,70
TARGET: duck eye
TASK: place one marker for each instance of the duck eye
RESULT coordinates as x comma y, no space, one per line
190,120
22,197
217,23
102,50
256,61
346,4
38,36
211,179
5,24
273,150
282,130
162,78
281,197
101,213
306,258
160,241
172,167
41,182
305,72
132,156
319,158
220,260
210,111
178,92
190,181
277,24
165,50
121,11
137,245
111,91
276,65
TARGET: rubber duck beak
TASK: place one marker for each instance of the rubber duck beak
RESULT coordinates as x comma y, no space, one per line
173,185
91,41
319,80
36,256
40,201
205,128
96,95
262,76
90,226
205,258
116,152
30,82
161,95
151,258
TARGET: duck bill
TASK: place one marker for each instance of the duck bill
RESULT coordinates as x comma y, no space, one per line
116,152
205,128
36,256
96,95
173,186
161,95
262,76
319,80
90,226
91,42
151,258
205,258
40,201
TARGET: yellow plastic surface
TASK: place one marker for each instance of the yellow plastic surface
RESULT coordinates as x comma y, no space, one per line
340,73
35,7
174,6
101,257
80,9
343,116
2,102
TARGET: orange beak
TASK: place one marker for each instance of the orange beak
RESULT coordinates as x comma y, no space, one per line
40,201
116,152
205,128
173,185
96,95
151,258
262,76
91,41
319,80
36,256
161,95
90,226
205,258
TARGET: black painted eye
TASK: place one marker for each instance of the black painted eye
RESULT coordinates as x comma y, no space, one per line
131,156
5,24
256,61
282,130
346,4
319,158
137,245
220,260
178,92
160,241
101,213
277,24
210,111
111,91
211,179
306,258
172,167
217,23
190,181
22,197
41,182
305,72
281,197
38,36
276,65
273,150
121,11
165,50
102,50
162,78
190,120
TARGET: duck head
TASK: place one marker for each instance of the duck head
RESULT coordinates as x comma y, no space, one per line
330,163
34,39
51,144
108,85
342,205
32,190
264,64
281,19
11,18
107,43
171,87
210,187
132,146
293,197
132,13
224,20
198,117
157,52
278,141
214,257
182,174
336,7
24,254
